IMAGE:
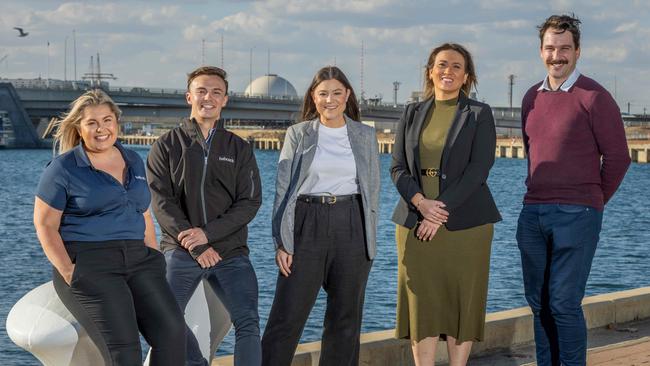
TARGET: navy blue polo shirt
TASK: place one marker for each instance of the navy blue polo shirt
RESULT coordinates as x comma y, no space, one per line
96,207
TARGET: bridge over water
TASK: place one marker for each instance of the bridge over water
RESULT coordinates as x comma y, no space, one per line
30,110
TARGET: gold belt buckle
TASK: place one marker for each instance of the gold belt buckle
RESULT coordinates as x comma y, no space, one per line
330,200
431,172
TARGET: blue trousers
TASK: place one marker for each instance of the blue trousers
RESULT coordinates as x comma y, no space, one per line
557,244
234,281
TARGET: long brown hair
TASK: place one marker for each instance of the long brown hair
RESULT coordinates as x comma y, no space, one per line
470,70
309,112
67,127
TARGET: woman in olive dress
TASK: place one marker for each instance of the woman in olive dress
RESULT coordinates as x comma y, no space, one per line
444,150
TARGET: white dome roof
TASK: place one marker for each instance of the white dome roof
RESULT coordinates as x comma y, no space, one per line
271,85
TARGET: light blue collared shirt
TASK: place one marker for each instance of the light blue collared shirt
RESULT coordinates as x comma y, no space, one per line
565,86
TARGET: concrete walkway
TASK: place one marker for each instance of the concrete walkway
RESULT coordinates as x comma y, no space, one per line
627,344
628,353
616,337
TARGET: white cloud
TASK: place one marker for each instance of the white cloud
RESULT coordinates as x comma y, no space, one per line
170,11
514,24
193,32
82,13
606,54
109,13
562,5
506,4
627,27
143,41
324,7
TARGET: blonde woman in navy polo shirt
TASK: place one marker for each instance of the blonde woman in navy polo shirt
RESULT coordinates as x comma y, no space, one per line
92,219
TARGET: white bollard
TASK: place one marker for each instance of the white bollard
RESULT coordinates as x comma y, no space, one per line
40,324
207,318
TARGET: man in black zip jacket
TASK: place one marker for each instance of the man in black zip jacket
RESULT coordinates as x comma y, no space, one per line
205,189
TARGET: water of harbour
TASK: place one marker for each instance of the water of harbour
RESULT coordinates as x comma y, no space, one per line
622,260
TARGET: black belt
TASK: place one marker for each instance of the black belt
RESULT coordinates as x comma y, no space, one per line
330,200
430,172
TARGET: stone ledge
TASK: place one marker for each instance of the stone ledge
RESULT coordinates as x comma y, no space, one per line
503,329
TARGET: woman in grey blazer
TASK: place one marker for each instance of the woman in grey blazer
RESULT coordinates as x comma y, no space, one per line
324,223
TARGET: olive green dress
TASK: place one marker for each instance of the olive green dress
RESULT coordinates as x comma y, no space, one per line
442,283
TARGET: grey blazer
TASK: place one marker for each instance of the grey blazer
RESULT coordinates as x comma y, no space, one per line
296,157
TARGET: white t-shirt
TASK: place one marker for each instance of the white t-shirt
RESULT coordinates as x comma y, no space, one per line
333,171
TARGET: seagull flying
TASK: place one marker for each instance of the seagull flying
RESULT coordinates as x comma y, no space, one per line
22,33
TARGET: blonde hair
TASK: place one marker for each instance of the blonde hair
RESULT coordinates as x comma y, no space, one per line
67,127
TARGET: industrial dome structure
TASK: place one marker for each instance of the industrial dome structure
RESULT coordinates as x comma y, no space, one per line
271,85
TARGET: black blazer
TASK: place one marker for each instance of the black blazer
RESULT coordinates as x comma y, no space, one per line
467,158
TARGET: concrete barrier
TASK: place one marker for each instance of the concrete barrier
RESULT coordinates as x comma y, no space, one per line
137,140
273,140
503,329
639,154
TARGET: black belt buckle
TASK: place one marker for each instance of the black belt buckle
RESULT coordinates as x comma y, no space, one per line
431,172
330,200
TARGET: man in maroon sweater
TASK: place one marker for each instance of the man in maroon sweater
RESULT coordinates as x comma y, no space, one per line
577,157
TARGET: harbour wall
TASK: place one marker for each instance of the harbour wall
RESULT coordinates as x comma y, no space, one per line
503,330
506,147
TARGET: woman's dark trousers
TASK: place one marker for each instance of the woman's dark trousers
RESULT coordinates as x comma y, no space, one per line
329,252
118,288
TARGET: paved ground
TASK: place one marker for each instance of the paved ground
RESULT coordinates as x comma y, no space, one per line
624,345
630,353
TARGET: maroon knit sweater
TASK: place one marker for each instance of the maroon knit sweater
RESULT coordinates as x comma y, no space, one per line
565,135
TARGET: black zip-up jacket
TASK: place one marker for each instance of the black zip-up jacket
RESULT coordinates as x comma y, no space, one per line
215,187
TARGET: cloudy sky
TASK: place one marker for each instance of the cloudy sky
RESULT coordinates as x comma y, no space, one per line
154,44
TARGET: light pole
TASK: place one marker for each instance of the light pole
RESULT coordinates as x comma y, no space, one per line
250,72
74,48
511,83
65,59
396,85
48,64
